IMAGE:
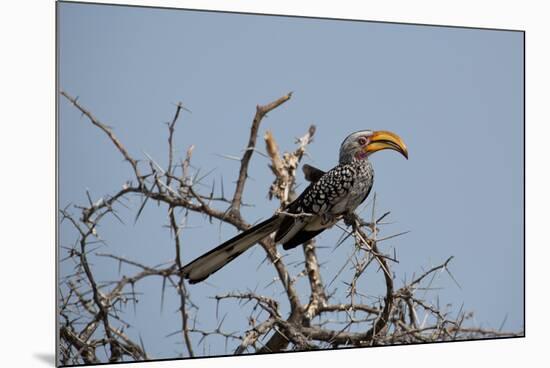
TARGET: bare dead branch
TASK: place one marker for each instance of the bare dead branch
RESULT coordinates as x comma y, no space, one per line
318,298
107,131
181,284
171,129
261,111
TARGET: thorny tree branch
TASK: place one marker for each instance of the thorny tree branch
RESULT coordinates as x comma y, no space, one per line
181,285
261,112
107,131
91,311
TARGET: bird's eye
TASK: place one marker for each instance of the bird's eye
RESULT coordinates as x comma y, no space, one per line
362,141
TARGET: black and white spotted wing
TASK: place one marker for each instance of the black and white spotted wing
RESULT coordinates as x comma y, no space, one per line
325,198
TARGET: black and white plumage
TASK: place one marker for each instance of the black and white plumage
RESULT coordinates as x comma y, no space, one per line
329,197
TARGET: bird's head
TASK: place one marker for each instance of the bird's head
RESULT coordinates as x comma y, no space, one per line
362,144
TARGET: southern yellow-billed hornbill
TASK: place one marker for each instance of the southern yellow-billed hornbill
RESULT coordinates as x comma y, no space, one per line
329,197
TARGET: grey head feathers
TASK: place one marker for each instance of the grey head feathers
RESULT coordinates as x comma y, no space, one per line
351,145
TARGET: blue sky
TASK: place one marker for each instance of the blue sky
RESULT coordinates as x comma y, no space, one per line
454,95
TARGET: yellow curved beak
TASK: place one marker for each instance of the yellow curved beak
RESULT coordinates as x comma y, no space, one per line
383,139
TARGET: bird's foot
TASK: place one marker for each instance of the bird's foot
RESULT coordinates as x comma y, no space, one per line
350,219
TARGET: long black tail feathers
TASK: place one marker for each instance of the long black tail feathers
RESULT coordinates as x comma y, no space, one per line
210,262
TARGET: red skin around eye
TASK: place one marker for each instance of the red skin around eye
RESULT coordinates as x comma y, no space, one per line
361,154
